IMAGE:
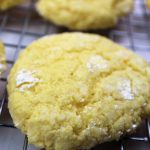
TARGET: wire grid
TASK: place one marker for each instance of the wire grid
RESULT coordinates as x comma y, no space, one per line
21,25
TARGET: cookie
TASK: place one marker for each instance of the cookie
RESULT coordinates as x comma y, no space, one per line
83,14
75,90
2,59
6,4
148,3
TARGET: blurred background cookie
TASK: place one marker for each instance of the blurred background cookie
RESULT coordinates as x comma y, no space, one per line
74,90
6,4
2,58
84,14
148,3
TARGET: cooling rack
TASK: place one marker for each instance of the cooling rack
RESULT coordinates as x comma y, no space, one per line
21,25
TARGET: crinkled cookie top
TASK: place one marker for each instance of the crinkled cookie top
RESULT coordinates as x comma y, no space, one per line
84,14
75,90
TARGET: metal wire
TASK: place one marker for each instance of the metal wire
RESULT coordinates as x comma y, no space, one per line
126,33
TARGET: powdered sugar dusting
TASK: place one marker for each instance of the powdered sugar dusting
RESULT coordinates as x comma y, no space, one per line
124,87
25,80
97,63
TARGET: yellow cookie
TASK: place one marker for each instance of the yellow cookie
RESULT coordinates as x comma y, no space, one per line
148,3
5,4
84,14
74,90
2,59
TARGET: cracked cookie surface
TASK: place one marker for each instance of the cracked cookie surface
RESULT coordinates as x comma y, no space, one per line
74,90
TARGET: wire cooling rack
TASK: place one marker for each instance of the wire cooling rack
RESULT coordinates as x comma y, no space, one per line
21,25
